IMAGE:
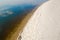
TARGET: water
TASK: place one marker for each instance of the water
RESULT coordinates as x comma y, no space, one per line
12,12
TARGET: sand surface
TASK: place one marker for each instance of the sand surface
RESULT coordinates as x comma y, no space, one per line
45,23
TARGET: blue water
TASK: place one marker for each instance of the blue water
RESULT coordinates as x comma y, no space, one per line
16,10
7,21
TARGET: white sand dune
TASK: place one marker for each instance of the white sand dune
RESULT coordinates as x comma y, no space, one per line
45,23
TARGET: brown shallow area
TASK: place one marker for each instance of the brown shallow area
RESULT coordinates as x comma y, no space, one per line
14,34
19,27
